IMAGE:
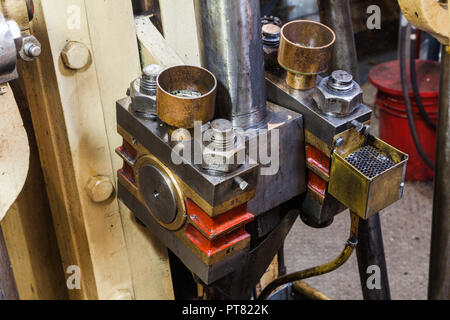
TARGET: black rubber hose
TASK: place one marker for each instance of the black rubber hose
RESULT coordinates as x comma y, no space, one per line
409,110
415,87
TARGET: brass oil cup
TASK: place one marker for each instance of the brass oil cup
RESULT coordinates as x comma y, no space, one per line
305,51
185,94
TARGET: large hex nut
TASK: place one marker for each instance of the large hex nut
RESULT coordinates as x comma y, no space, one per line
337,103
225,161
142,104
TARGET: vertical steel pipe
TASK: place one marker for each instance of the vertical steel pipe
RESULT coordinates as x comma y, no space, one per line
439,277
231,48
370,250
336,15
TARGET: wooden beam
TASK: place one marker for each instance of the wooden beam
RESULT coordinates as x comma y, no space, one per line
28,228
180,29
14,150
74,119
113,37
153,47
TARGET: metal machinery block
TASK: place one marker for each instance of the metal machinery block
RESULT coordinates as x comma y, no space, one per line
224,221
331,109
201,216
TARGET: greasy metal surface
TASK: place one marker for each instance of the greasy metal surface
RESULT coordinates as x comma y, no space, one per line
207,274
154,136
322,126
336,15
363,194
231,48
439,279
239,284
290,180
319,270
305,50
185,94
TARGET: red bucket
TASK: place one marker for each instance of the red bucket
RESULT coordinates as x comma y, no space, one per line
394,127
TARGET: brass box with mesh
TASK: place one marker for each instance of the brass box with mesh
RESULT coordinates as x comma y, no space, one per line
367,174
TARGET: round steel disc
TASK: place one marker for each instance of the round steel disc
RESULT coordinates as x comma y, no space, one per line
157,193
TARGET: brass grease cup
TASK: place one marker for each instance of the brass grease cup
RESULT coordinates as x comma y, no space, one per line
185,94
305,51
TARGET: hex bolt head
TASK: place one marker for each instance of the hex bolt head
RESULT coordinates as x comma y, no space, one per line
76,55
32,50
99,188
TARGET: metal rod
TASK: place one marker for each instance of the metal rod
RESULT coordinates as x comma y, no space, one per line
336,15
319,270
439,277
308,292
230,43
370,252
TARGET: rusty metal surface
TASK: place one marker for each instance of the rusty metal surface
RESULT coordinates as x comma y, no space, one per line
185,94
305,51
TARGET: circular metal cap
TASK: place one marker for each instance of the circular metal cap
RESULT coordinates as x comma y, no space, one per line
271,34
340,80
223,126
157,193
152,71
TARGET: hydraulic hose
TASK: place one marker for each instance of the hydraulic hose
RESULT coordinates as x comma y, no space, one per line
409,111
319,270
415,87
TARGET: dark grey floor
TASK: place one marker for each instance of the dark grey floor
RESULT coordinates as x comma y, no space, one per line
406,232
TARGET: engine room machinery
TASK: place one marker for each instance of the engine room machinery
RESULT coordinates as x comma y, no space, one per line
220,160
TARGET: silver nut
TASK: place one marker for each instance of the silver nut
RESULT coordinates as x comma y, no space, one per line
337,102
223,151
225,161
142,104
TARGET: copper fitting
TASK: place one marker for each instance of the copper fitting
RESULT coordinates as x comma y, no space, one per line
305,51
185,94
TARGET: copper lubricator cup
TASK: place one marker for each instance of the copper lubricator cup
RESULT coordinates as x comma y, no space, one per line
185,94
305,51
